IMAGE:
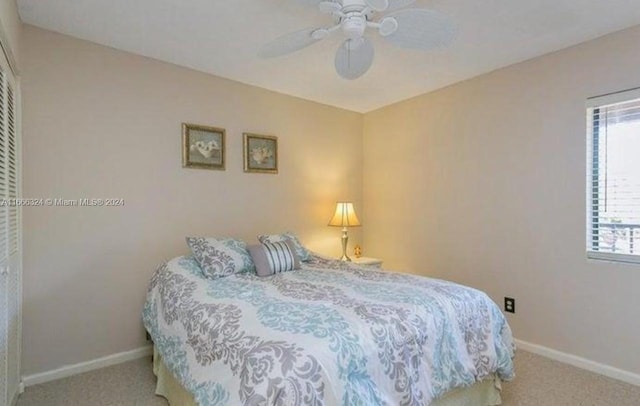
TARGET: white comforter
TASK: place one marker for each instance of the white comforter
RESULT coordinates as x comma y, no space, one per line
329,334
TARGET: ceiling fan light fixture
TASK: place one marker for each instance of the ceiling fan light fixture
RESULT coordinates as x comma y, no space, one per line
354,25
388,26
353,44
352,63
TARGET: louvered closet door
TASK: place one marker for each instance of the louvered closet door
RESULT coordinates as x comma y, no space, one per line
4,252
10,247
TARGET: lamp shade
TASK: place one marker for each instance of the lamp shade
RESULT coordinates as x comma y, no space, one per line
345,216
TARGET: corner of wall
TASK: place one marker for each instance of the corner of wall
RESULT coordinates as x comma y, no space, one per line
11,33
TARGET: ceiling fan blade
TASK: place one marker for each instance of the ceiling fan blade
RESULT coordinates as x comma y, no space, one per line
310,2
396,4
378,5
289,43
421,29
354,59
329,7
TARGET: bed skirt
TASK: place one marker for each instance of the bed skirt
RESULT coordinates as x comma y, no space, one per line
485,393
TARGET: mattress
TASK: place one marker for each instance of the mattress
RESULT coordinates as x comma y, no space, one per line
329,334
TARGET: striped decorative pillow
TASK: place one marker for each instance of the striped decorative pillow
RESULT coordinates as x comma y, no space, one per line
274,257
302,253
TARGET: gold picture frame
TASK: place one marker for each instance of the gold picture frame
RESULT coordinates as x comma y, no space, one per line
260,153
203,147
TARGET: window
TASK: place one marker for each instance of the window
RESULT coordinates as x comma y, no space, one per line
613,177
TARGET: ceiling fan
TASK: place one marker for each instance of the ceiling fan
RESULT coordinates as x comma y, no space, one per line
416,28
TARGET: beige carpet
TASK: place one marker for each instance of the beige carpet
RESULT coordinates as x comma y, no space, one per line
539,382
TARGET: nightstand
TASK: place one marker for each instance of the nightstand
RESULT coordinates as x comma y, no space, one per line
373,262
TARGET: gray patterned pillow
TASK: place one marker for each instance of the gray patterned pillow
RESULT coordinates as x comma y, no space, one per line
220,257
301,251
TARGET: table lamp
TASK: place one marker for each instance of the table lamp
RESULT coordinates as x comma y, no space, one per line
344,217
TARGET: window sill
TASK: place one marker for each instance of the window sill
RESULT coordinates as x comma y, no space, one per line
614,258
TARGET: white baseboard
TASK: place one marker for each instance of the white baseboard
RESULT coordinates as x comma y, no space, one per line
579,362
75,369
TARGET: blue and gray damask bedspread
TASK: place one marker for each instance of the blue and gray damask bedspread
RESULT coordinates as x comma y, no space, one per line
329,334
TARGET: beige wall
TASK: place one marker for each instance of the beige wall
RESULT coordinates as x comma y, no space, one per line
481,183
12,27
104,123
484,183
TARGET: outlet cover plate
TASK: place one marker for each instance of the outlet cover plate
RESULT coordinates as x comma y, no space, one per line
509,305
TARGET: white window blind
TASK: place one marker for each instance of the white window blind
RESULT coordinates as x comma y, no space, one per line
613,177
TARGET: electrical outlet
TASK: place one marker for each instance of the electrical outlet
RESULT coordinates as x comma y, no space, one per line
509,305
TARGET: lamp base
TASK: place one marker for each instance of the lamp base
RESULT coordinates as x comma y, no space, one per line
345,240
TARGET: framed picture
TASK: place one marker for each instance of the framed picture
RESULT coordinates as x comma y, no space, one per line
260,153
203,147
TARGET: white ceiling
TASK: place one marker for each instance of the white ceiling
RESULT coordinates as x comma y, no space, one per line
222,37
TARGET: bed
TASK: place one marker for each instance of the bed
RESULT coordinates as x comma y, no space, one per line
331,333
